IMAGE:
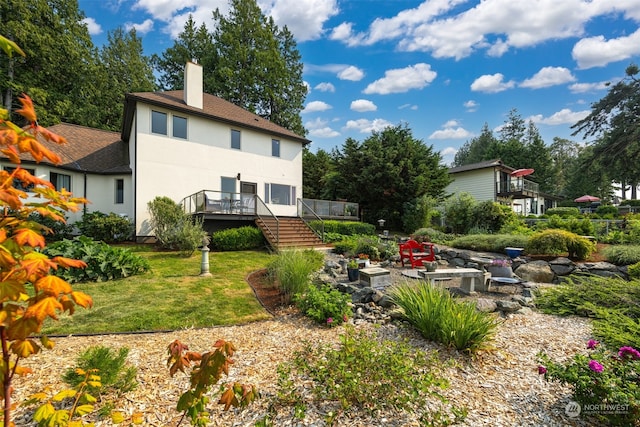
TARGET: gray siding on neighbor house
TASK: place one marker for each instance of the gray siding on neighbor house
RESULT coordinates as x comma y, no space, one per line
480,183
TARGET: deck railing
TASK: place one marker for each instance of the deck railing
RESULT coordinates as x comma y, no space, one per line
263,212
220,202
517,185
328,209
310,216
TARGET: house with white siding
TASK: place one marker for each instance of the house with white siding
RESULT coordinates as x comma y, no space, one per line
493,180
212,156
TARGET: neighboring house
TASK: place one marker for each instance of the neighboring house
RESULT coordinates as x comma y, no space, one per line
94,165
492,180
186,145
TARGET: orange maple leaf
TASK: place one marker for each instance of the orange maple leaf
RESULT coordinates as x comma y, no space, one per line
11,290
27,111
82,299
50,136
12,154
68,262
52,285
228,398
28,237
46,307
36,264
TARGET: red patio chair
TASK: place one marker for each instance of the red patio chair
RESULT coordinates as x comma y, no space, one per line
414,253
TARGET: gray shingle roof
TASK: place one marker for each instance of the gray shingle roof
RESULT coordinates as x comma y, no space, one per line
213,107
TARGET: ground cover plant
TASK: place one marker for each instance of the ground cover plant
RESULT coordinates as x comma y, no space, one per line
103,262
368,374
622,254
438,317
324,304
180,298
611,302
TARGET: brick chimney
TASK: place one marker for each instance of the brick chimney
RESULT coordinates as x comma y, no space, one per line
193,85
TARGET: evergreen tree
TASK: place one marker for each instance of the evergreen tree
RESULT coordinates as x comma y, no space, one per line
193,44
477,149
316,170
60,63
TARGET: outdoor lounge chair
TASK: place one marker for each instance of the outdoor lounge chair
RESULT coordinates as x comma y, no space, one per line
414,253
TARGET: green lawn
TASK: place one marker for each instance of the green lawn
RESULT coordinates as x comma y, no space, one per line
170,296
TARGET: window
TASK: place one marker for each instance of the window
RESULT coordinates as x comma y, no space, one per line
19,185
180,127
159,122
60,181
275,148
228,187
278,194
235,139
119,191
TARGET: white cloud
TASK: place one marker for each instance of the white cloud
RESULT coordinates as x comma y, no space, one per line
447,30
409,106
304,18
316,106
351,73
491,83
587,87
471,106
549,76
449,151
141,29
320,128
362,105
562,117
598,52
402,80
325,87
367,126
451,130
93,27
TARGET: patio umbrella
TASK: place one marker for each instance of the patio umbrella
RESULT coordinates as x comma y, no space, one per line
586,198
521,172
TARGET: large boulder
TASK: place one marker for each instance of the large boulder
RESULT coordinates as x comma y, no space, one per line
536,271
562,266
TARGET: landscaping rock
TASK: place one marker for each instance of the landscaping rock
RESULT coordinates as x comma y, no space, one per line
536,271
363,295
508,306
486,305
562,266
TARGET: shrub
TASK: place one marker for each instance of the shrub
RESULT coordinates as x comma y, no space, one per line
634,270
324,304
458,211
490,242
432,235
583,227
609,210
347,228
372,246
492,216
418,213
434,313
173,228
557,242
563,212
622,254
291,270
237,239
599,379
368,374
104,262
110,366
108,228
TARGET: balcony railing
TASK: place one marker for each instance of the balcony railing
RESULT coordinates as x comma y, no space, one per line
219,202
518,186
328,209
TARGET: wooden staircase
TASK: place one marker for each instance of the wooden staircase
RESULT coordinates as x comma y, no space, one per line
292,233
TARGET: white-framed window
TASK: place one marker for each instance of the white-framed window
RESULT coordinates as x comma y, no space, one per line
119,191
180,127
275,147
279,194
60,181
235,139
158,122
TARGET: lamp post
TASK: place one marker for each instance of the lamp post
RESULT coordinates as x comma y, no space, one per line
204,265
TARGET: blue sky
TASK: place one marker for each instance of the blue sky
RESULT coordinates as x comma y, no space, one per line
443,67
